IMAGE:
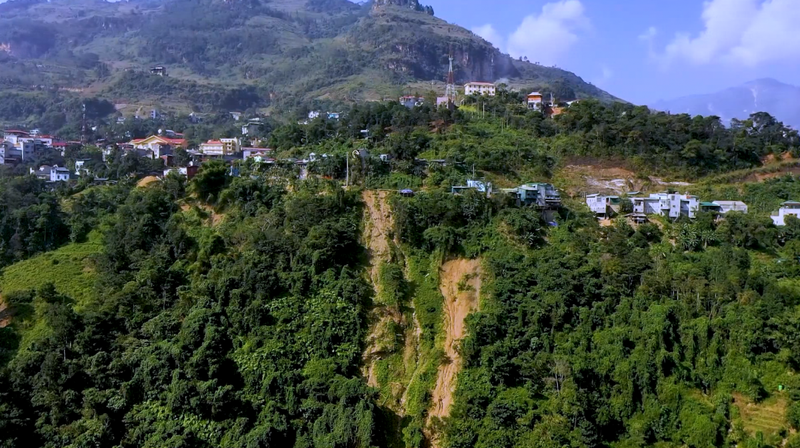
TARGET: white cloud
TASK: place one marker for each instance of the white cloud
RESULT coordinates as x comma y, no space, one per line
741,32
605,75
489,33
543,37
649,35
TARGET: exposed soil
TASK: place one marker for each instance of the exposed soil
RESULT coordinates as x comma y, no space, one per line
460,284
378,225
5,314
145,181
760,177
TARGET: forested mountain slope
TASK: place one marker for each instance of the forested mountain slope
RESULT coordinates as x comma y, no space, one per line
265,310
247,54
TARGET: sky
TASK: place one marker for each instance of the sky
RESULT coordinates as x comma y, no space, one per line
643,51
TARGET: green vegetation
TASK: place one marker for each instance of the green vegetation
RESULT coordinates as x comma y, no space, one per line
140,318
68,268
245,55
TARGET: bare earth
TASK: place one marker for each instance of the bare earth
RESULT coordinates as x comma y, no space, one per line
145,181
377,236
5,314
377,230
460,284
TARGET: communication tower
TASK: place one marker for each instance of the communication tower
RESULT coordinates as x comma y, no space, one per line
451,93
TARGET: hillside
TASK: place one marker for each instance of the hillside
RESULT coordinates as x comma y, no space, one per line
262,307
761,95
249,54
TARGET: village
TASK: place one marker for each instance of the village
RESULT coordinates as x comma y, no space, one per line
19,146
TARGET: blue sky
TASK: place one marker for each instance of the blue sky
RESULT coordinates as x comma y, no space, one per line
644,50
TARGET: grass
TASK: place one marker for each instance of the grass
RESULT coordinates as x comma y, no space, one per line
767,417
69,268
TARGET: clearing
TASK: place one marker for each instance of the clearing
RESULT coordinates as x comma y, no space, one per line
460,284
378,227
767,417
146,181
69,268
5,314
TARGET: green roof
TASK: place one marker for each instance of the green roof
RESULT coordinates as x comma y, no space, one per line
709,204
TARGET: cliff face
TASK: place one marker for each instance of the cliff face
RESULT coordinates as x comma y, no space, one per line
414,45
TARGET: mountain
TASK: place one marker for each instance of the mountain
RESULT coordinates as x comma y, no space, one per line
761,95
250,54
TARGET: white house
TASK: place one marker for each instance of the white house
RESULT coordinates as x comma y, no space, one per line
80,167
789,208
480,88
664,204
603,206
59,174
723,207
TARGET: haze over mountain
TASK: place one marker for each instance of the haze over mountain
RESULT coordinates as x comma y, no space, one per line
761,95
251,54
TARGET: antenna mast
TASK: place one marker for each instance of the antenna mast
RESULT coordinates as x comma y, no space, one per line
451,93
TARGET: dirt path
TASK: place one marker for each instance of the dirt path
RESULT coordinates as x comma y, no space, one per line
5,314
378,226
377,230
460,284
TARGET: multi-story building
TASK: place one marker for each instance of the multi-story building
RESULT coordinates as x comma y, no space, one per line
604,206
480,88
664,204
221,147
789,208
157,146
535,100
539,195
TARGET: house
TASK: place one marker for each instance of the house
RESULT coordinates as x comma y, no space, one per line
789,208
604,206
155,114
59,174
188,171
477,185
664,204
723,207
534,100
221,147
539,195
480,88
252,126
442,101
157,146
42,173
80,167
236,116
412,101
159,70
257,154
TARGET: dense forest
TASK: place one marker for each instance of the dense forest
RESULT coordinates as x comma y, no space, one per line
236,310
